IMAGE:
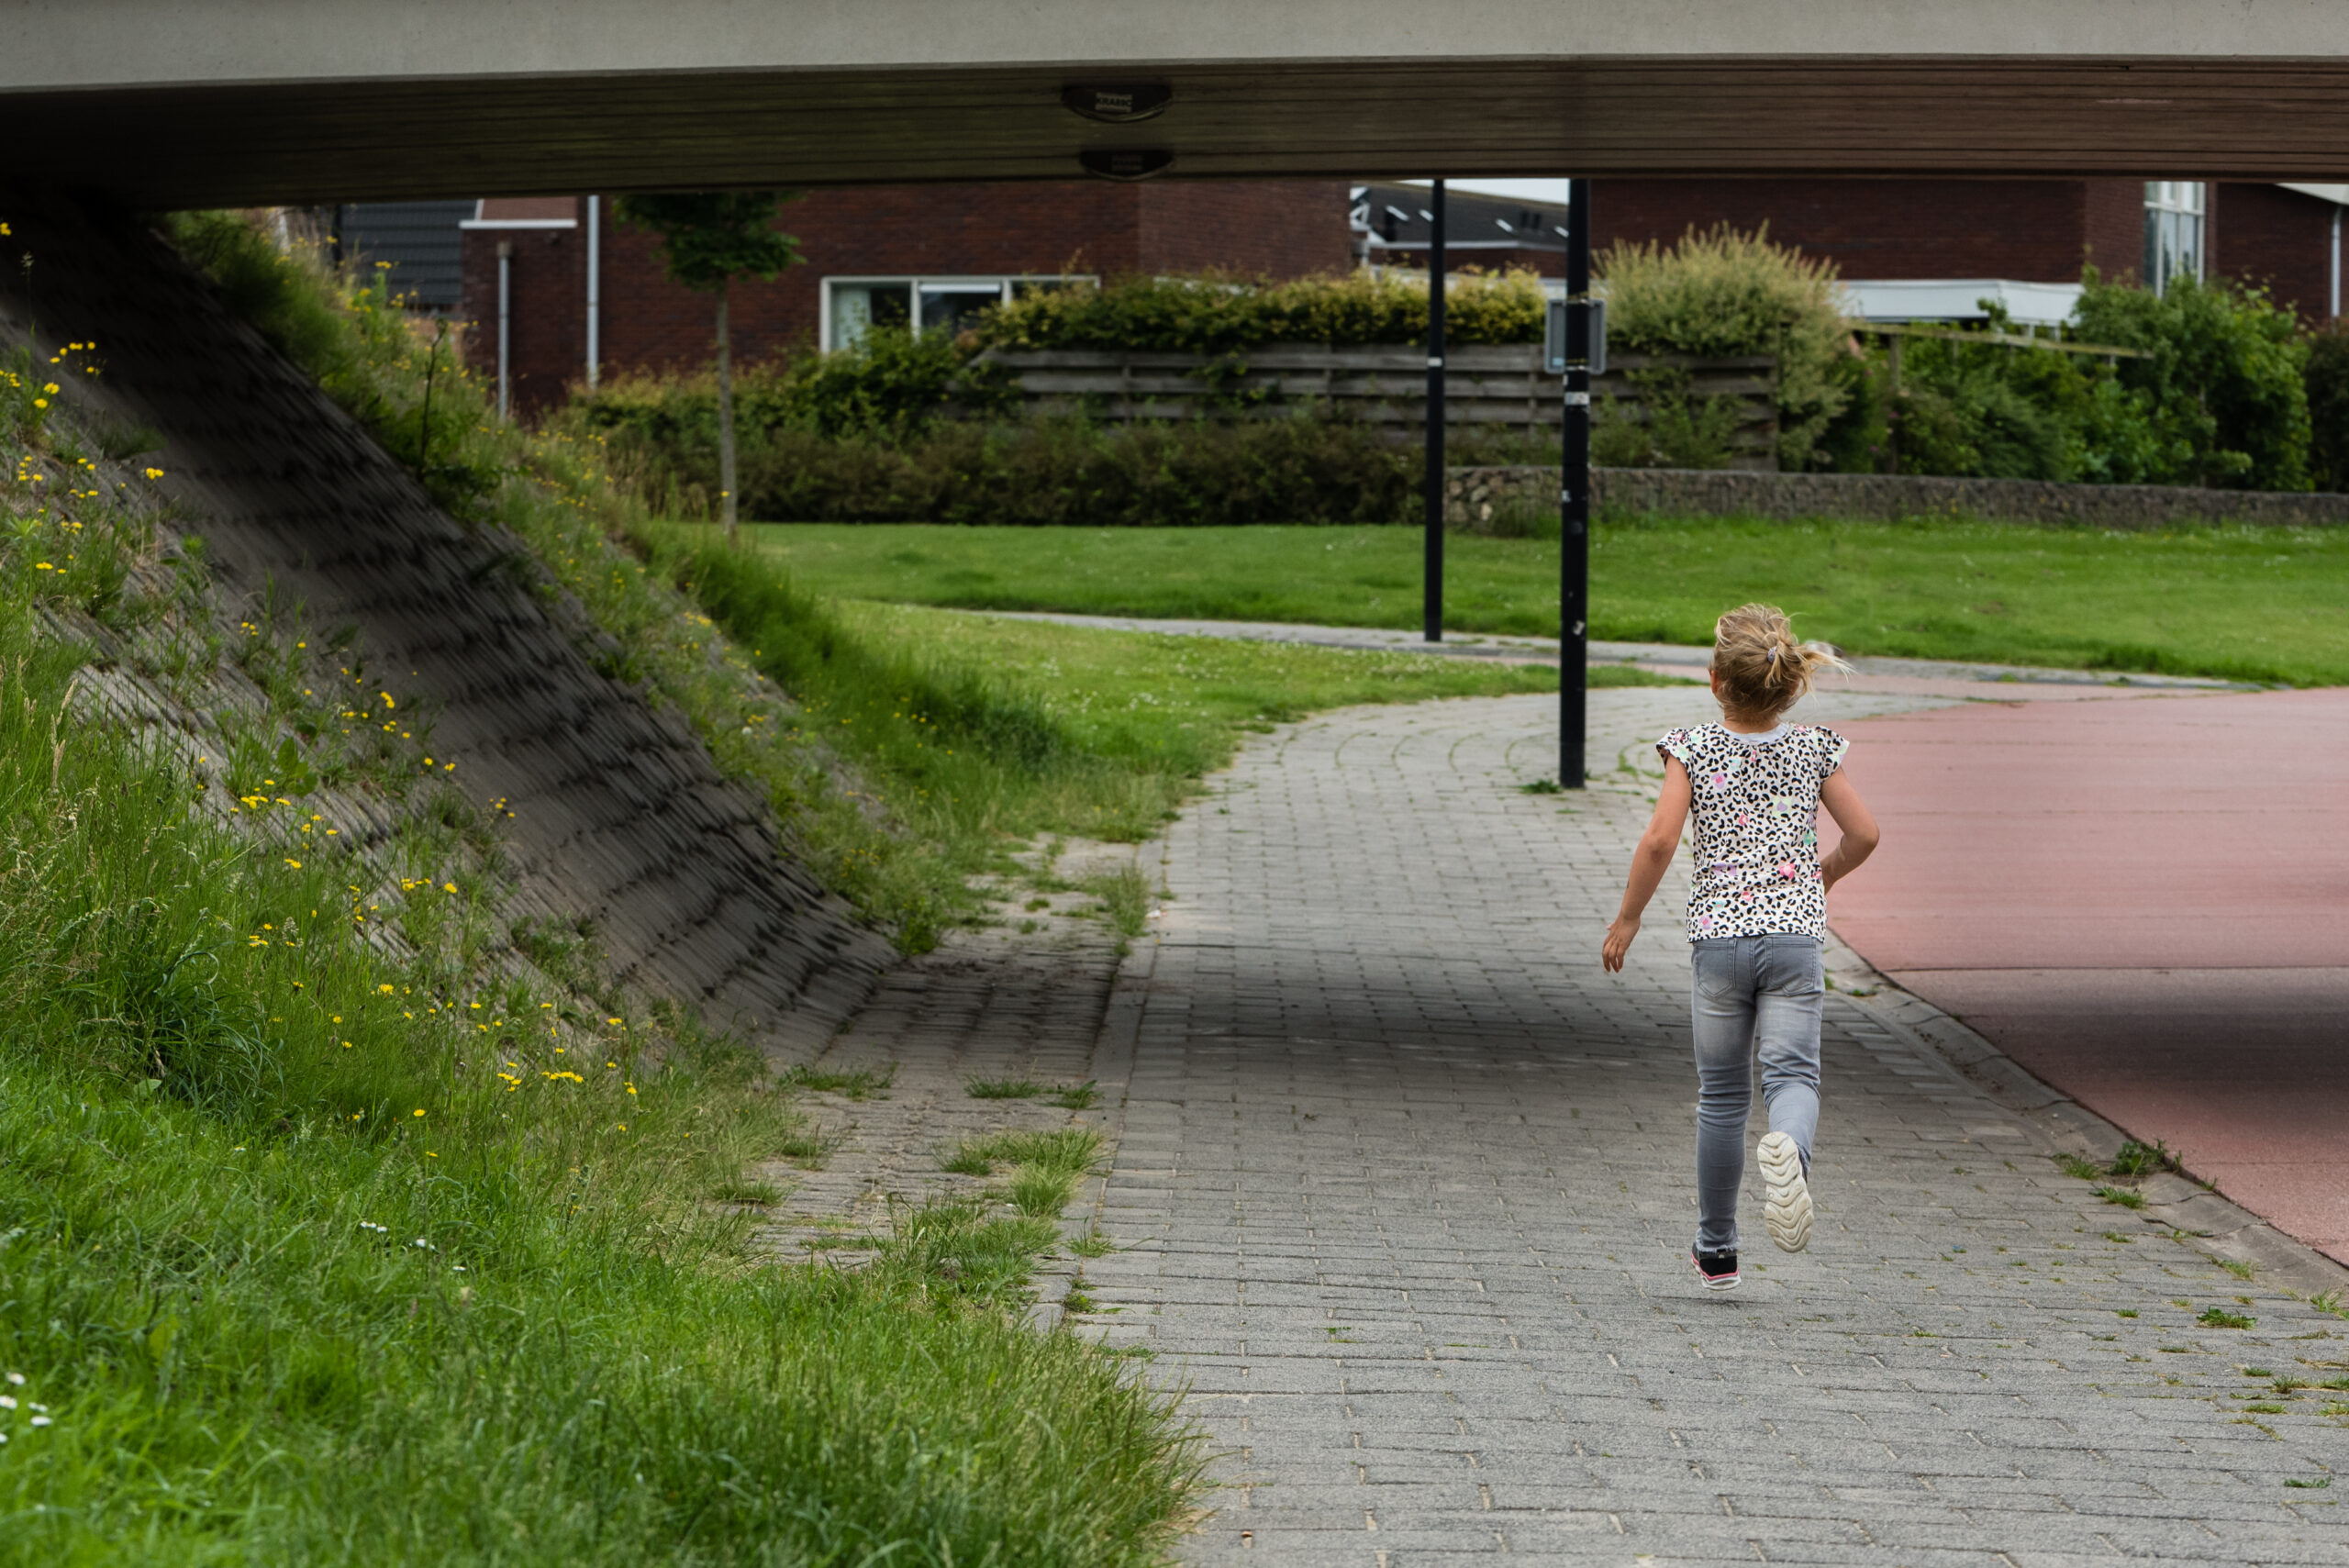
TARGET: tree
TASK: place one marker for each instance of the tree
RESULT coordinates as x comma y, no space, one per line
708,239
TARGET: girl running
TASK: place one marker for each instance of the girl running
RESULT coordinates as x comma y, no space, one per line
1757,918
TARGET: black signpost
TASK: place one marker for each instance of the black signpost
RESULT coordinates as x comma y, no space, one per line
1585,341
1434,615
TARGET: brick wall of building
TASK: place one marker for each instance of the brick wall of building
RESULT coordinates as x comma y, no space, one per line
1281,228
2030,231
547,326
2113,226
2281,238
1275,227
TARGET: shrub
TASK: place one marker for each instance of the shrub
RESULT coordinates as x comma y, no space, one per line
1723,295
2221,382
2326,377
1675,428
2002,412
893,384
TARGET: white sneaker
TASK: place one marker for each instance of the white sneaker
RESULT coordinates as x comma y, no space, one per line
1785,1199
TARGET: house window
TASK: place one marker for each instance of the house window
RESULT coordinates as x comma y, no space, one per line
853,306
953,305
2173,231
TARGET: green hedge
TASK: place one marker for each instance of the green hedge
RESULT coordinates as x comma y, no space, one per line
1057,471
1216,315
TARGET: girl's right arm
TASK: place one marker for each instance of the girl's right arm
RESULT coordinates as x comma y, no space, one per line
1657,845
1851,815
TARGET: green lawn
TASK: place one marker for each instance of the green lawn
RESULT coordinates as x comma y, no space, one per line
2260,604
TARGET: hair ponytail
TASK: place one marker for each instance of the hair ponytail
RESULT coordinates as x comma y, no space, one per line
1762,670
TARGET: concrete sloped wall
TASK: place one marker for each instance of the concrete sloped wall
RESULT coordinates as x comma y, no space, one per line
619,813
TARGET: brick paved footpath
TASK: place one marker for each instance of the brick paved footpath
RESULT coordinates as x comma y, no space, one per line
1405,1183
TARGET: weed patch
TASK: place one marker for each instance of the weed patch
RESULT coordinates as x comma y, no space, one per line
752,1193
849,1083
1125,899
1002,1088
1073,1097
1046,1166
2136,1158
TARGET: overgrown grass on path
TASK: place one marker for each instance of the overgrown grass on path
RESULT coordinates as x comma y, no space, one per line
2256,603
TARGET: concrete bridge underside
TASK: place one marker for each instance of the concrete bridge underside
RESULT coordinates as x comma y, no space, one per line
172,102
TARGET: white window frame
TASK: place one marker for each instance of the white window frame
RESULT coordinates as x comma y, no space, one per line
2178,199
958,282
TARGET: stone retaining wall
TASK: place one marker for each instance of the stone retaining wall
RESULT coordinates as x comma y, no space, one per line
1499,500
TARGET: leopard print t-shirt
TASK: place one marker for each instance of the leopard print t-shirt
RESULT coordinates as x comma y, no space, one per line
1756,808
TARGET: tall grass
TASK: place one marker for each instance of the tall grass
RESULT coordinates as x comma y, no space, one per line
310,1253
286,1299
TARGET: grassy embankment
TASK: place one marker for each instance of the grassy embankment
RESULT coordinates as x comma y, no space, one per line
333,1229
2254,604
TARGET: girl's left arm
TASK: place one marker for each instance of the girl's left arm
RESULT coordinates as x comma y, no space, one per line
1851,815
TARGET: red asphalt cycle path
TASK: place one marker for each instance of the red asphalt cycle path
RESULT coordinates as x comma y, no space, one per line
2145,903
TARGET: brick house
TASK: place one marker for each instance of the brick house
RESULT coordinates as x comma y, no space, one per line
576,287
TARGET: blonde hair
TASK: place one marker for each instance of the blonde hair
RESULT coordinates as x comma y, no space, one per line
1762,670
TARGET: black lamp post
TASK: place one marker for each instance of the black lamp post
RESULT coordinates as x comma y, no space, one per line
1434,612
1585,349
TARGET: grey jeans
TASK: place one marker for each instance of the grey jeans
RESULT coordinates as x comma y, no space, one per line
1753,996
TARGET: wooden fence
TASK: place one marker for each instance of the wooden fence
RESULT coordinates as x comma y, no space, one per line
1485,386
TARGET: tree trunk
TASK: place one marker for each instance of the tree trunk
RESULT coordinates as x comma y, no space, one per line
725,423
